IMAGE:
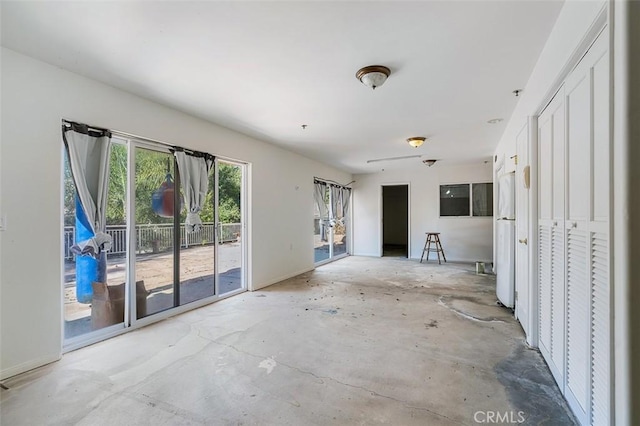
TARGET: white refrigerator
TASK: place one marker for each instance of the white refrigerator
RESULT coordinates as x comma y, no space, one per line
506,249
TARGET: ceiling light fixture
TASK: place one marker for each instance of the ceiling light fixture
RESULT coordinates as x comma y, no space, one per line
373,76
494,120
430,163
416,141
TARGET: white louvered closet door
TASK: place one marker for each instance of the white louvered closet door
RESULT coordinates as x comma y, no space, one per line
588,346
600,241
551,145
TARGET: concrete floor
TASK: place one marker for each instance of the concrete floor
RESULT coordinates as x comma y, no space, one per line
358,341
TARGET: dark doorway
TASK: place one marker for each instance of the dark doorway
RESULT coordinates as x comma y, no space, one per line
395,220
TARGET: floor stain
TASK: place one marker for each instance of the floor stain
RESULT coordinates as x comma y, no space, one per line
523,374
432,324
445,301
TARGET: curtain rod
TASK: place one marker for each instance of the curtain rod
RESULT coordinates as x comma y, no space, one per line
141,139
332,182
171,147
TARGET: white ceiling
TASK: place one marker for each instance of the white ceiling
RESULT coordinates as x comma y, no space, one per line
266,68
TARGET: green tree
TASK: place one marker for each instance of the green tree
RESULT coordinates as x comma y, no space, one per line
151,171
229,190
117,197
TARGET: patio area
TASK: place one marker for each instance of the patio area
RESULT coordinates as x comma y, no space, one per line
156,273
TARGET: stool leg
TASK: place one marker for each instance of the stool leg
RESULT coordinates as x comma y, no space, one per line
441,249
437,243
428,246
423,249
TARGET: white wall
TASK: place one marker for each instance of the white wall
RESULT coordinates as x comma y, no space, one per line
463,239
573,23
35,97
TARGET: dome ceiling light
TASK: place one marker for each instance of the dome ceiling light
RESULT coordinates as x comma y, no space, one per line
416,141
373,76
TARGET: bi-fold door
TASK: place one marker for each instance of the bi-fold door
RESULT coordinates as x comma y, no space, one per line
574,238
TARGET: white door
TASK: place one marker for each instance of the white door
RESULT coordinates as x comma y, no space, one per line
574,237
587,224
551,288
522,229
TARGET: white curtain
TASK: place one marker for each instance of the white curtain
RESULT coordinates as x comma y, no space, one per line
89,152
194,179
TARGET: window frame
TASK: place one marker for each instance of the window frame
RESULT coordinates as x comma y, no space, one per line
470,185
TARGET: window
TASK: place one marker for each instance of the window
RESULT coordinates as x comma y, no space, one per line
466,199
482,196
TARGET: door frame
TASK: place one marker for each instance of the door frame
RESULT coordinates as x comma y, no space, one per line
523,213
243,219
381,221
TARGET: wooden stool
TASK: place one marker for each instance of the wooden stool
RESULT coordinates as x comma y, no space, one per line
433,237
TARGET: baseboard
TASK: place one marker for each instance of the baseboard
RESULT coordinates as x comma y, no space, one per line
282,278
29,365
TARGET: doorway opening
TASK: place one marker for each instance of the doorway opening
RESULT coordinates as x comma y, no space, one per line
395,220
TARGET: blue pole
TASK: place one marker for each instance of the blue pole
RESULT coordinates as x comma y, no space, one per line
86,266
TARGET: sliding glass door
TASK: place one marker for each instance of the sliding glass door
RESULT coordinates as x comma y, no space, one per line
331,221
156,263
321,224
94,288
230,225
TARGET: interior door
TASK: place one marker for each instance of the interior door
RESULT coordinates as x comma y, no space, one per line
522,229
551,255
587,223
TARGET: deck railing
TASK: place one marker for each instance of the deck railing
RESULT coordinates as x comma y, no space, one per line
158,238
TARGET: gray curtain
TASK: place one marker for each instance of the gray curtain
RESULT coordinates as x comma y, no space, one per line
318,196
89,152
194,179
339,204
345,196
336,215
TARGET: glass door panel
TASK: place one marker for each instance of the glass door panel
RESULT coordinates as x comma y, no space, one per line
94,289
197,252
154,224
321,231
229,212
340,238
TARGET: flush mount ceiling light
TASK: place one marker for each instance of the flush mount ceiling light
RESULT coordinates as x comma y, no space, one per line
429,162
494,121
416,141
373,76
